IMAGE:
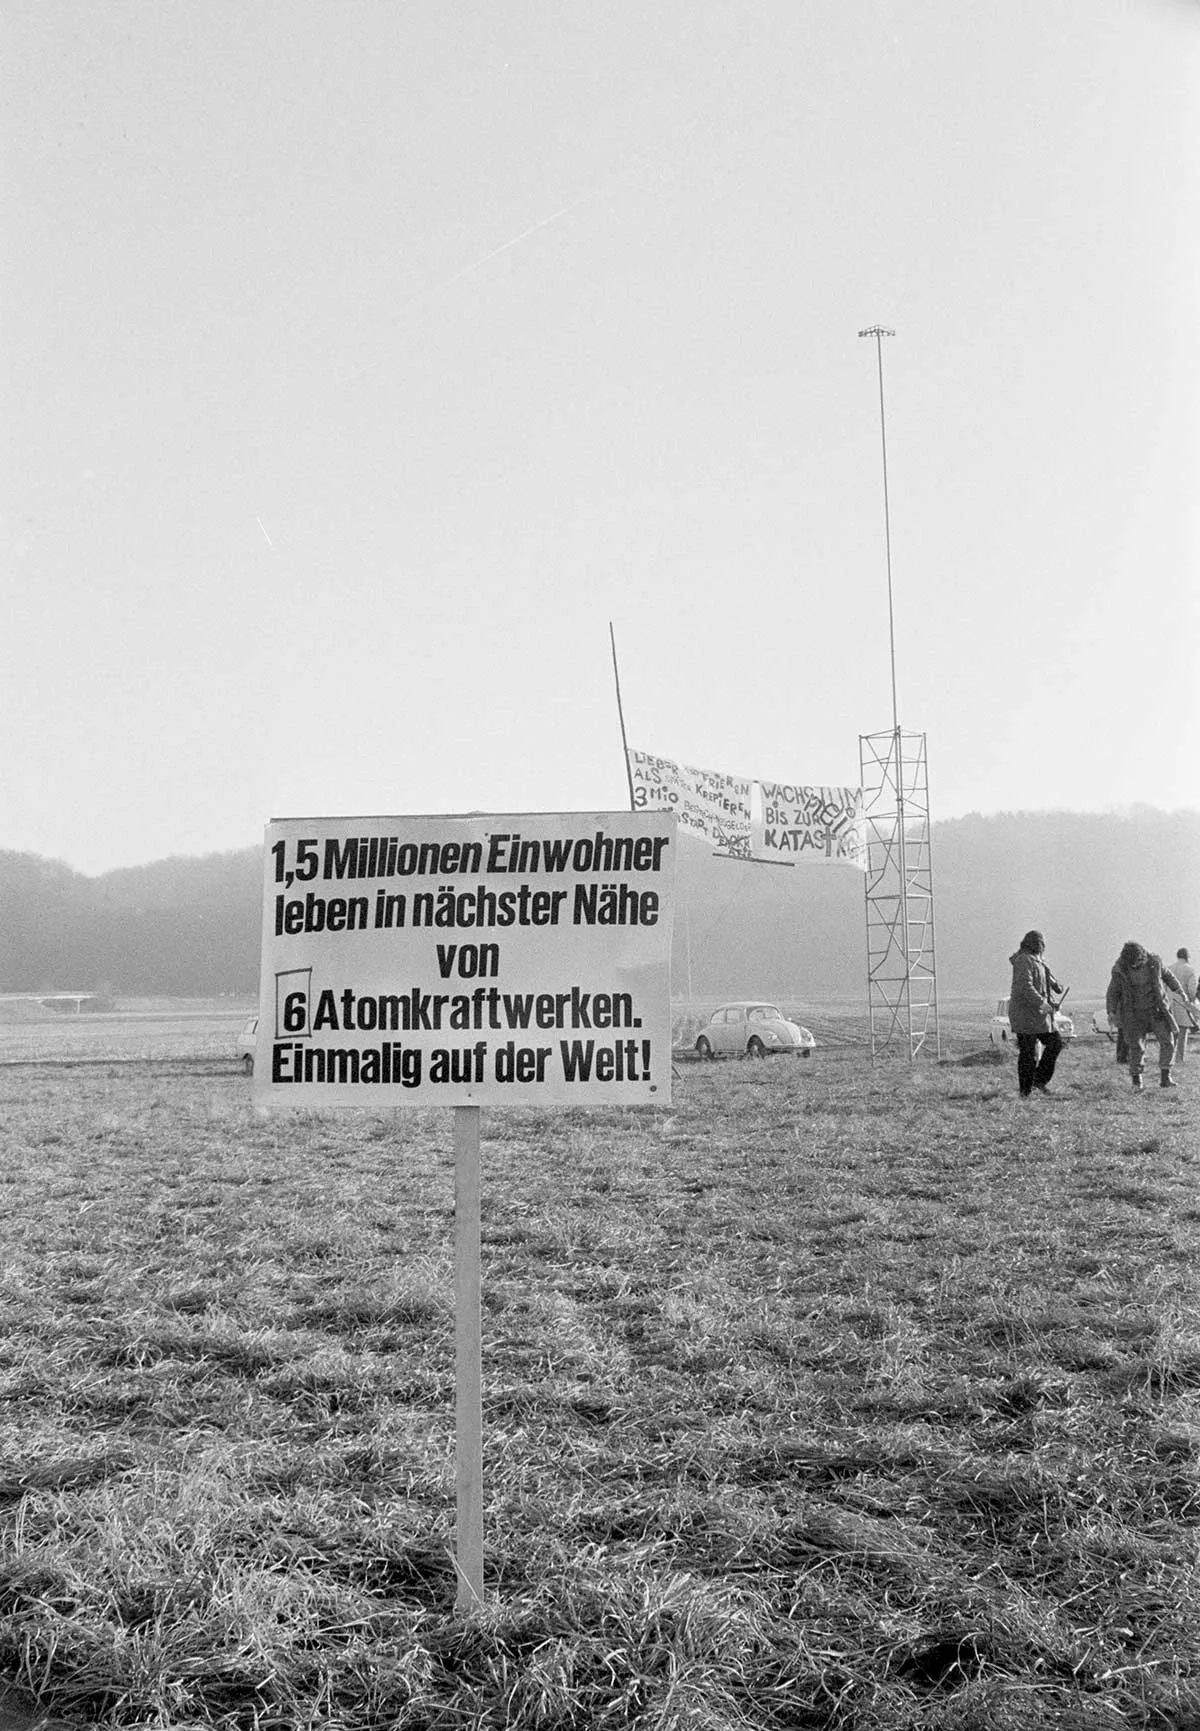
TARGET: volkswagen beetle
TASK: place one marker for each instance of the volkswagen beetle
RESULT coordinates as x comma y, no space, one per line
752,1028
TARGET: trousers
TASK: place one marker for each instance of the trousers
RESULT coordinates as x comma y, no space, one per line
1135,1045
1032,1071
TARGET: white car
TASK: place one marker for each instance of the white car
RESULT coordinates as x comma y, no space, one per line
1000,1030
246,1042
752,1028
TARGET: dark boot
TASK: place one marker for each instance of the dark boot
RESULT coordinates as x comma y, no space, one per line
1137,1082
1166,1080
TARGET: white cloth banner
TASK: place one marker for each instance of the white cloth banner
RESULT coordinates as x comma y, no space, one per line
820,824
704,802
763,820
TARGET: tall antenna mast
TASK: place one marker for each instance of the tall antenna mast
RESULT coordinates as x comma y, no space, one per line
901,964
879,332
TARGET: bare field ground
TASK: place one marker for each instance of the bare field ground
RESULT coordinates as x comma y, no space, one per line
190,1030
196,1030
825,1398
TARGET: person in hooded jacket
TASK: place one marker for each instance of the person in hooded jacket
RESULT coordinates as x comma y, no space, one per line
1031,1007
1184,1008
1138,1004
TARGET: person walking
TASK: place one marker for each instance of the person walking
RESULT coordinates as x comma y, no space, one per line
1183,1007
1137,1002
1031,1007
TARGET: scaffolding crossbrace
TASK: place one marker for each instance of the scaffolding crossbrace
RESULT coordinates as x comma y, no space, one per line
901,958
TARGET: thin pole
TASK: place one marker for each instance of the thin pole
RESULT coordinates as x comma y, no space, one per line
468,1333
621,715
879,332
687,929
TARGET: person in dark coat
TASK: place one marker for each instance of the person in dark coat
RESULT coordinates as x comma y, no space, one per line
1031,1007
1138,1005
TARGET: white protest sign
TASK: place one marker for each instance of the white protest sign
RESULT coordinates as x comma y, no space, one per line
706,802
809,825
760,820
466,961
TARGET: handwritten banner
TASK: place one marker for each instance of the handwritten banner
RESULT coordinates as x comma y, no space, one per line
704,802
818,824
763,820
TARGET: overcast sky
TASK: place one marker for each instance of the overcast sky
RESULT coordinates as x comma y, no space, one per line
363,360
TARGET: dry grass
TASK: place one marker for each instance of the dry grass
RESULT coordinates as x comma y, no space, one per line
824,1399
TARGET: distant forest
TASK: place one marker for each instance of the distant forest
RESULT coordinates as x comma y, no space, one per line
191,927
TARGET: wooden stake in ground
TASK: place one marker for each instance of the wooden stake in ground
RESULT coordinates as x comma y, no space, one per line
468,1439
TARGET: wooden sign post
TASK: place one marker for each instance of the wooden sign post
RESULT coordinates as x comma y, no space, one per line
468,1359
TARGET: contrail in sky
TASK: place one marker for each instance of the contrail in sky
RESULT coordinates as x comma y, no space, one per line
435,288
516,239
423,294
266,537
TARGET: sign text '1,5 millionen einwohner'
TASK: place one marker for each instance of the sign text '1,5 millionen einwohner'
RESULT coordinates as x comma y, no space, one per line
466,960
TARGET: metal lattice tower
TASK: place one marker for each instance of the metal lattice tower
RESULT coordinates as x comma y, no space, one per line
901,958
901,971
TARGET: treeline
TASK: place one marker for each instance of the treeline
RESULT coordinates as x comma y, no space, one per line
191,927
179,927
1088,881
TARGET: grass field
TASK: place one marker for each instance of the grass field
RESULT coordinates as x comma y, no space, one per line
826,1398
188,1030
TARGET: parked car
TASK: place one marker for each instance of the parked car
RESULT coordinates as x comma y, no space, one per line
751,1028
247,1040
1000,1029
